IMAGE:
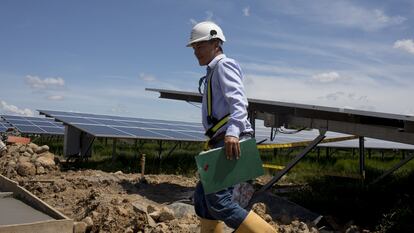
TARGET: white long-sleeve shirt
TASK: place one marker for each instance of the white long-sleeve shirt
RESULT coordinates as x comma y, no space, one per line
228,96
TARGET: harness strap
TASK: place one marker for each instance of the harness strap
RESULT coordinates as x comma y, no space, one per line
212,130
217,124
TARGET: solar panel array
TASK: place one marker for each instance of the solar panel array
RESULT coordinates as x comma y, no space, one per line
142,128
129,127
34,125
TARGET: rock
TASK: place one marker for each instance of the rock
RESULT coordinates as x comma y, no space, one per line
26,154
142,208
160,228
29,150
180,209
163,215
42,149
40,170
267,218
88,221
122,211
26,169
32,146
23,159
11,164
151,209
46,160
303,227
15,154
22,149
119,173
129,230
79,227
116,201
95,214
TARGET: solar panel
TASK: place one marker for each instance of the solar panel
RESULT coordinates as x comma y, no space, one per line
34,125
129,127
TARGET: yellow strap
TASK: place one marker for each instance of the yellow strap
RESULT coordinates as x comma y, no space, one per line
209,98
220,124
273,166
303,143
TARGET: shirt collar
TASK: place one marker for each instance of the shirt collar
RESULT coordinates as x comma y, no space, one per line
213,62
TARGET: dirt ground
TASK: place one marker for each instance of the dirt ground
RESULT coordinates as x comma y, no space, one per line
115,202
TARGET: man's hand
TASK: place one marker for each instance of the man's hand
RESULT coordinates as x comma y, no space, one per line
232,147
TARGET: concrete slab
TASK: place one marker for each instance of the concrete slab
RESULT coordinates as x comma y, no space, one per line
13,211
23,212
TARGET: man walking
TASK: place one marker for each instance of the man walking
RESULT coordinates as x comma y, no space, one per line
224,116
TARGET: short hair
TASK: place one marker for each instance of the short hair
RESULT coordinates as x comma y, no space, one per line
220,43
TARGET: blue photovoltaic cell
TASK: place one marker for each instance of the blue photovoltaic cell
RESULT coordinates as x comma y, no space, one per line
53,130
3,126
43,123
110,122
102,130
35,125
30,129
72,120
178,135
133,124
141,133
18,122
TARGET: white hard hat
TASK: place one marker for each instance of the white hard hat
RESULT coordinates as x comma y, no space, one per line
205,31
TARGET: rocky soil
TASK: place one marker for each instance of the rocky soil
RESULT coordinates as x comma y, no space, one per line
115,202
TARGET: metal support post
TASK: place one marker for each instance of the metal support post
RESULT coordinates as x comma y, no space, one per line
362,157
113,149
142,165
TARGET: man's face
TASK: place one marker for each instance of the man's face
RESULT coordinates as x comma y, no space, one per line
205,51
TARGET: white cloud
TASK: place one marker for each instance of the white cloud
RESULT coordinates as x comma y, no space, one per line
360,92
209,15
329,77
334,96
55,97
119,109
37,83
147,77
9,108
343,96
246,11
340,13
193,21
406,45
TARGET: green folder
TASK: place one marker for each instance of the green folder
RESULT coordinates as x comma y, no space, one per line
217,172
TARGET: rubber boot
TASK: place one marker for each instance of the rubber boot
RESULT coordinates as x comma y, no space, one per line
253,223
211,226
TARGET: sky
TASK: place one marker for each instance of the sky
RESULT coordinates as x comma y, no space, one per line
99,56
